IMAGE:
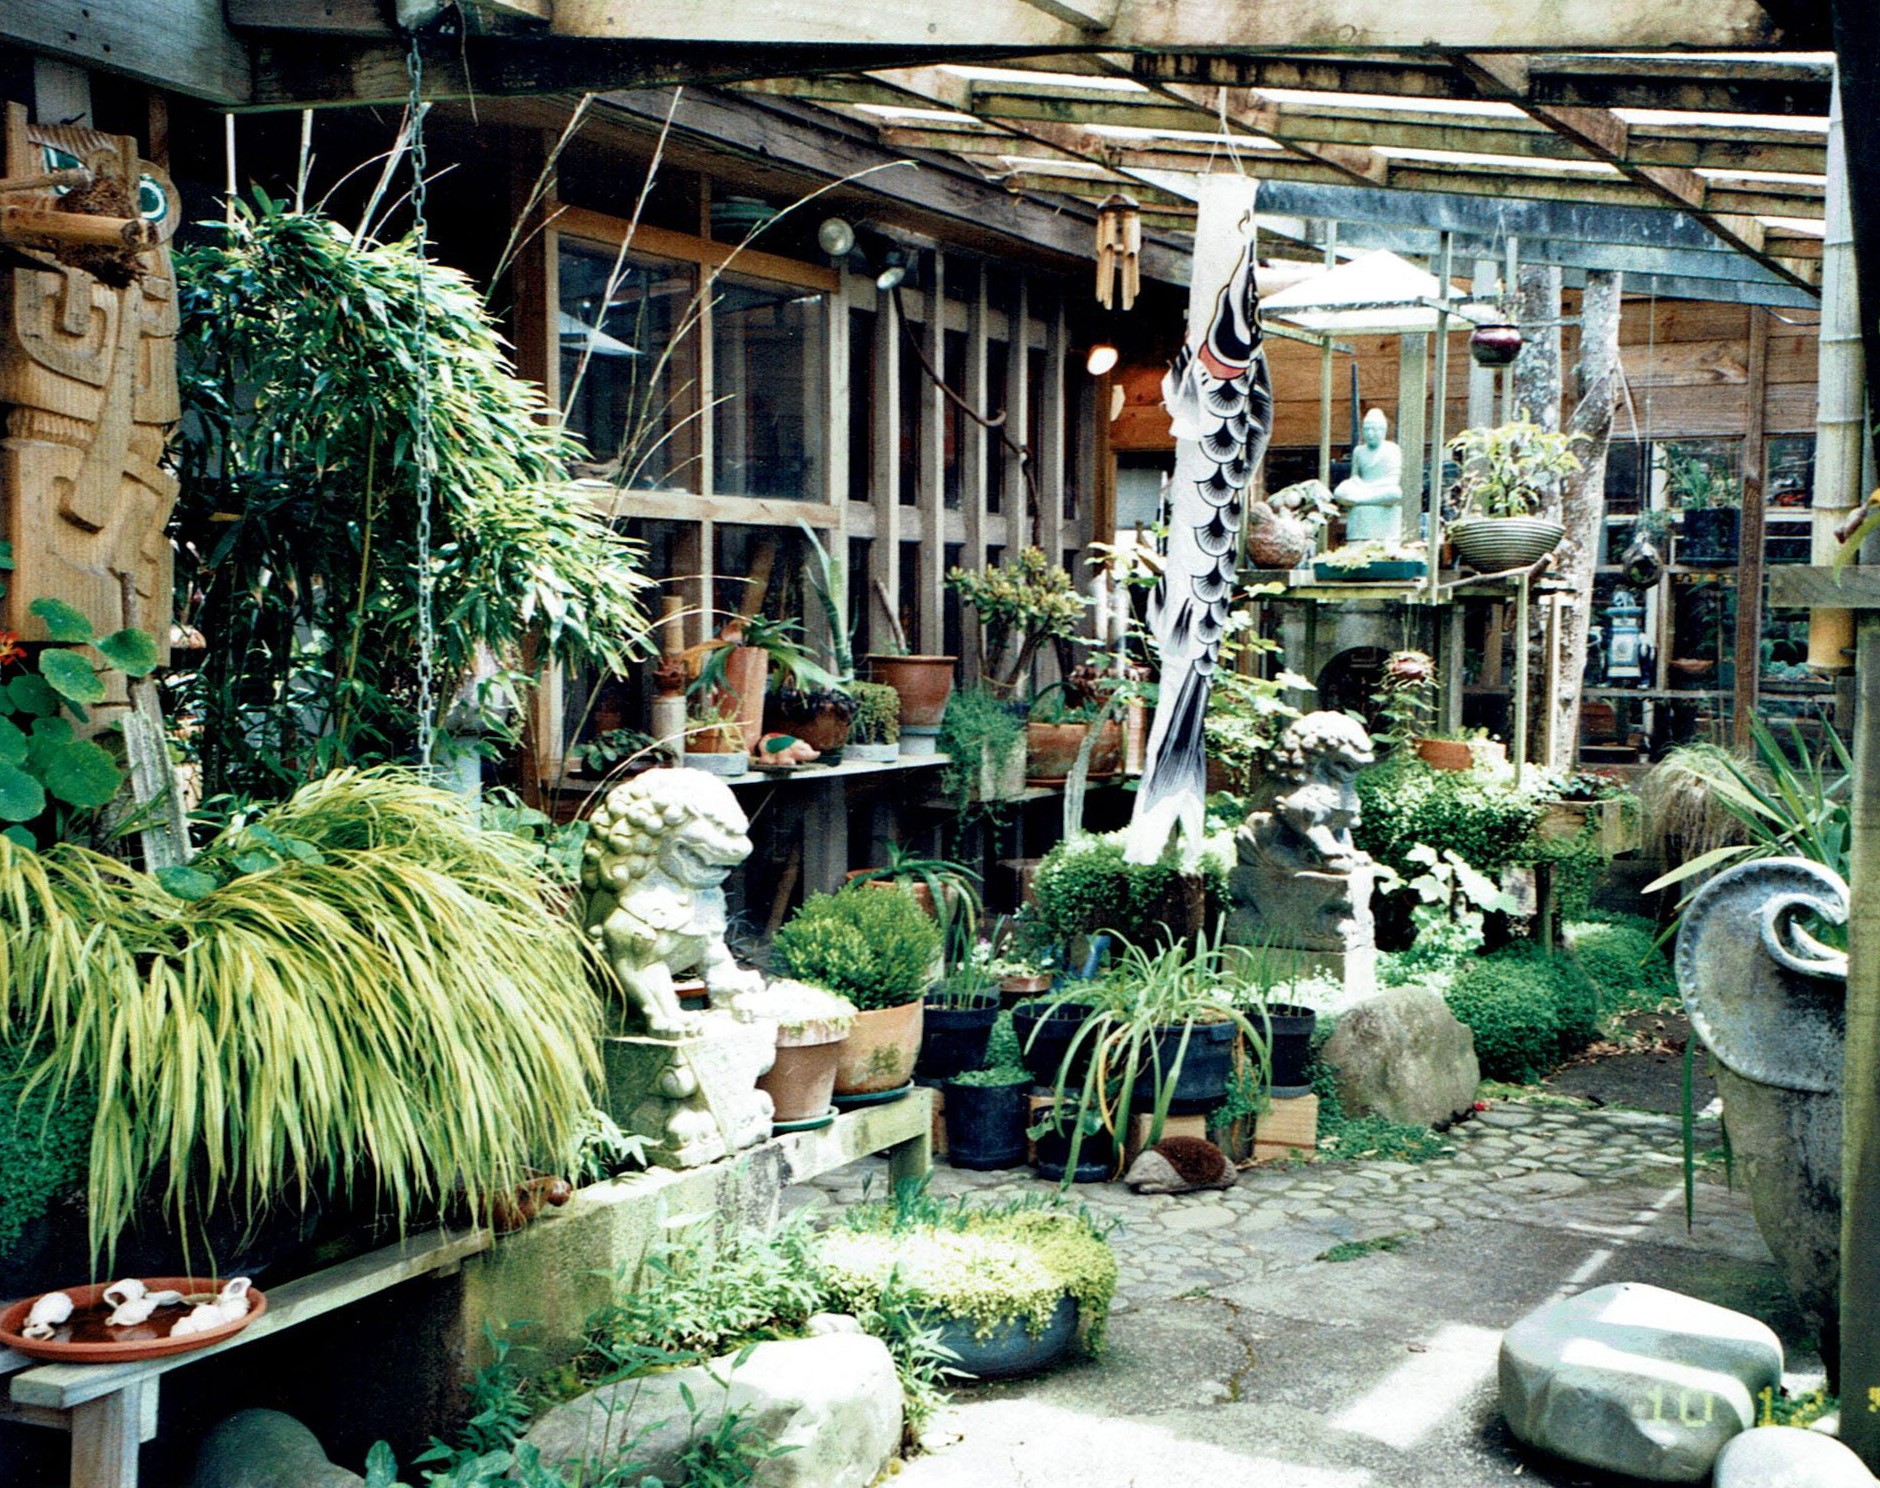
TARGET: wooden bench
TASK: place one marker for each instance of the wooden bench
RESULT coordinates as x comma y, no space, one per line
110,1410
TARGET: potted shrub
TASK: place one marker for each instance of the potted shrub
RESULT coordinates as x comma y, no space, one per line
1161,1034
987,1112
1023,604
879,951
958,1024
984,741
1709,497
875,730
1010,1288
1508,473
812,1022
1404,699
922,684
947,892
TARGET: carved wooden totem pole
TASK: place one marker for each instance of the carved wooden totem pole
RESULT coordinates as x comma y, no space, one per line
87,376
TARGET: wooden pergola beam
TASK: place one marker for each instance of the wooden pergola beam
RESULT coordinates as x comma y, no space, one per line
1783,86
1605,136
1192,25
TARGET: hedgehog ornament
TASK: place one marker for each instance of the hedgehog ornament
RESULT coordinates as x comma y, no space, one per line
1180,1165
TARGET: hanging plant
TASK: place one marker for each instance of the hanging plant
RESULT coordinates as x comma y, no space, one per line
308,354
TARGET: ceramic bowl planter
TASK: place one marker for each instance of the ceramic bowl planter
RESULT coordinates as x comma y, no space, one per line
986,1123
1010,1350
727,764
1495,544
1495,345
880,1051
957,1030
1019,986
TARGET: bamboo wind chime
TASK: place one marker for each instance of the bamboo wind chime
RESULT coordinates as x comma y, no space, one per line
1119,250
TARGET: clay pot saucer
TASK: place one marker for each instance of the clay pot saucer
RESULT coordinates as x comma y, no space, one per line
149,1340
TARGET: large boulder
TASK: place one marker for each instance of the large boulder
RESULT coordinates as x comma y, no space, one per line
1403,1055
834,1401
1636,1380
1787,1457
266,1449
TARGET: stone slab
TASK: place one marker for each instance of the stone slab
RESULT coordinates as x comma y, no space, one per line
1789,1457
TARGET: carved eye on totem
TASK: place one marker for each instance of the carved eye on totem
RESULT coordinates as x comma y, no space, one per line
153,202
60,160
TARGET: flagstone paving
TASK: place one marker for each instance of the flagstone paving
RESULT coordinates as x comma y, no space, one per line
1237,1347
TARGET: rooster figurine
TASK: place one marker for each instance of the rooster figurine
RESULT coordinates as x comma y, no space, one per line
1220,403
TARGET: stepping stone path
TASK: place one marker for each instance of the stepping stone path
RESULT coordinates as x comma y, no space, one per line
1636,1380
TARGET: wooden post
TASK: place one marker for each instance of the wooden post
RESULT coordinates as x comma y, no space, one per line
1413,395
1860,1140
1325,409
1518,723
1439,411
884,482
1749,566
930,490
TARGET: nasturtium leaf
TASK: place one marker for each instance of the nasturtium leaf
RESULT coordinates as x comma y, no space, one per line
20,837
63,623
133,652
12,742
82,774
187,883
21,797
49,733
31,695
71,676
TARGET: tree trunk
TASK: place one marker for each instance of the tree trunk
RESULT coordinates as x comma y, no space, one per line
1537,369
1583,503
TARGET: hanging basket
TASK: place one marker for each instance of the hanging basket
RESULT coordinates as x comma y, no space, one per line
1494,544
1495,345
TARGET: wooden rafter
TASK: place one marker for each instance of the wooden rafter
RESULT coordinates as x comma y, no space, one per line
1605,136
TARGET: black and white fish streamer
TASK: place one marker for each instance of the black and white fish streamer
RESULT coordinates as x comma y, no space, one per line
1220,402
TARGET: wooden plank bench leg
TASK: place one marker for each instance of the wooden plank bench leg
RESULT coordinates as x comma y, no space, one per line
106,1433
912,1158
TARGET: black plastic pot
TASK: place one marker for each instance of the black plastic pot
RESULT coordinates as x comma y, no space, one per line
1096,1159
1043,1041
954,1036
1289,1046
1207,1065
1708,537
986,1125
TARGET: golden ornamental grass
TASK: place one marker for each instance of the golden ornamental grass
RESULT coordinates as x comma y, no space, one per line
399,1016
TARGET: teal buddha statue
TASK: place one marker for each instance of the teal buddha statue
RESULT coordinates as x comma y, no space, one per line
1372,495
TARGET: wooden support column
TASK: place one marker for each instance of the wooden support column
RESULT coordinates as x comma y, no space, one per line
1518,723
974,456
884,484
1413,393
1749,567
930,491
1019,516
1860,1139
1052,453
1439,412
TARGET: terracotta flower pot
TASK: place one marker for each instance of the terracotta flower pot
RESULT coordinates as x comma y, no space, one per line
804,1077
1446,754
923,683
747,668
880,1051
1051,751
820,719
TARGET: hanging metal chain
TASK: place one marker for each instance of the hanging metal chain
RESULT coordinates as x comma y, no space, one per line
421,447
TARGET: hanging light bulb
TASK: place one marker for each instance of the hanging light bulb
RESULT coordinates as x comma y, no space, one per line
894,270
1101,359
835,237
1119,250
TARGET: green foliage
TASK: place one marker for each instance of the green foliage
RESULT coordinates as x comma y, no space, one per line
1452,900
1002,1051
1511,470
1527,1009
601,753
877,714
1354,1250
1700,477
305,352
1023,604
985,1264
1084,886
976,727
377,999
877,949
1405,698
1621,956
952,888
44,1141
1485,815
702,1294
1247,712
995,1075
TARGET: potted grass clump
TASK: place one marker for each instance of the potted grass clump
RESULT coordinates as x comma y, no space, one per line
1508,475
881,953
812,1022
1011,1289
714,740
1158,1035
875,730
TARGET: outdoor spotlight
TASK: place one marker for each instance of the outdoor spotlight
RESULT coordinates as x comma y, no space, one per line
1101,359
894,270
835,237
